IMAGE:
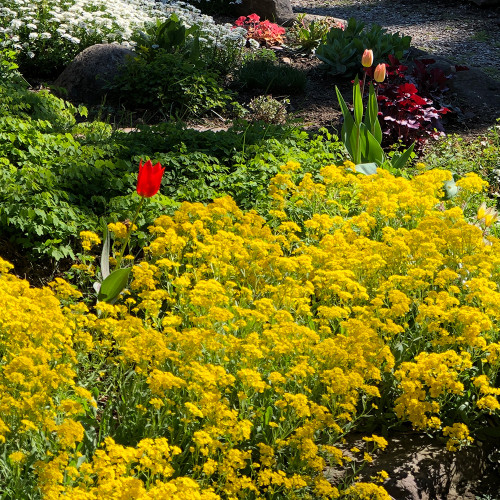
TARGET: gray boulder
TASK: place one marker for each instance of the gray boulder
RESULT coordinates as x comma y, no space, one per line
278,11
86,76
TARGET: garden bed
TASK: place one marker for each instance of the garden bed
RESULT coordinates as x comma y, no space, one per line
250,314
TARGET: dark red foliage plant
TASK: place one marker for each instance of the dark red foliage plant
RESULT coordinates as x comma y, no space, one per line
406,108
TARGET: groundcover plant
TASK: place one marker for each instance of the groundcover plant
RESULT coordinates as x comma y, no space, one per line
243,351
52,32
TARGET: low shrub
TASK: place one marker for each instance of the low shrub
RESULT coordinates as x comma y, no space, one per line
175,86
271,77
265,108
406,103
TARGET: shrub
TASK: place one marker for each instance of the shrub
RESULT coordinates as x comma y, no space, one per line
358,301
265,108
406,103
271,77
175,86
343,49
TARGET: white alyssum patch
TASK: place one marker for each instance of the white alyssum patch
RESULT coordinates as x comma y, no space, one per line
84,22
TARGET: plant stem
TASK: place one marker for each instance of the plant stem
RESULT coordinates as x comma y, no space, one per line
357,159
129,232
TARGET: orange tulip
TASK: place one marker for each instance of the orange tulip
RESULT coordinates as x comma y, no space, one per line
149,179
379,73
367,58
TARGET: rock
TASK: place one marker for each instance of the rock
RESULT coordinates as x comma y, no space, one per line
278,11
421,468
86,76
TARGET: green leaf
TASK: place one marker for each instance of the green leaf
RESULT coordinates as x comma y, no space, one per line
113,285
348,125
371,150
105,251
399,161
371,118
268,414
357,100
366,168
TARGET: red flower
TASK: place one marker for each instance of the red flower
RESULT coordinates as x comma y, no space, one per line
240,21
149,179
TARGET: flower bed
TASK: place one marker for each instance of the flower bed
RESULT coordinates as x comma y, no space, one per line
244,350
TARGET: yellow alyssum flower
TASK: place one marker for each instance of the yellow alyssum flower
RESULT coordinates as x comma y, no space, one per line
89,239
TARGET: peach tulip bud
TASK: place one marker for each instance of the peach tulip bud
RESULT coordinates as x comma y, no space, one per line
367,58
379,73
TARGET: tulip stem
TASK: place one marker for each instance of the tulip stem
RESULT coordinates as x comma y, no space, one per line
129,232
357,158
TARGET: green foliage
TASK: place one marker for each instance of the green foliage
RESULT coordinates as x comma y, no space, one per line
174,85
308,36
342,49
361,132
170,35
272,77
59,179
259,54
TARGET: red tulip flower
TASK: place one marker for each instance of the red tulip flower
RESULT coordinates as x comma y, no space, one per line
149,179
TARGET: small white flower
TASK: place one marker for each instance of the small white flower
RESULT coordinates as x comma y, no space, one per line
254,44
31,55
16,24
33,36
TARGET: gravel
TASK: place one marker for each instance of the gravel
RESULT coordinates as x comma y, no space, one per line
457,30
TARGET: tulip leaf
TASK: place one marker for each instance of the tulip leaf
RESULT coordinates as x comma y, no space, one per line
357,101
399,161
105,251
113,285
366,168
371,149
371,118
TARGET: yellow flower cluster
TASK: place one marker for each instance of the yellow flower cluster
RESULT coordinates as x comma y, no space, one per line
246,347
89,239
37,368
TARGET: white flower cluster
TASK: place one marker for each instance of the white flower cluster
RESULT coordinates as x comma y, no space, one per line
34,25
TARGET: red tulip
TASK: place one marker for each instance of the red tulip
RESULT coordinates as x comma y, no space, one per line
367,58
379,73
149,179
